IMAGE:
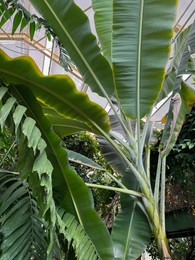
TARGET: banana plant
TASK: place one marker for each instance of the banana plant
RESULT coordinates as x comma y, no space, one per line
129,68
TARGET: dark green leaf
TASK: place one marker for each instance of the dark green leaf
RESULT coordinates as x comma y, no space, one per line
51,91
32,29
17,21
6,16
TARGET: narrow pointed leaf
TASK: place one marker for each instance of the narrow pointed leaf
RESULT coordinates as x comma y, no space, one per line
24,23
81,159
6,16
3,90
142,31
17,21
76,37
5,110
32,30
49,90
18,115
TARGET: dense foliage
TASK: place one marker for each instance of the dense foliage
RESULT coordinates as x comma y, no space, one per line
129,72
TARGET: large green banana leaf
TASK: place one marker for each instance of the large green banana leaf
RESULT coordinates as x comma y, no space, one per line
131,231
103,22
69,189
128,235
64,125
72,27
142,31
58,92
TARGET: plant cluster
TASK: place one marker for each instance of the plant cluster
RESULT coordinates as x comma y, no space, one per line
129,72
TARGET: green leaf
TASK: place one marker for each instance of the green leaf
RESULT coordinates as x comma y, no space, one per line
175,120
168,85
140,49
18,115
69,189
49,90
3,90
37,168
25,21
76,235
5,110
184,46
17,21
103,22
128,235
23,232
64,125
32,29
131,231
81,159
6,16
75,35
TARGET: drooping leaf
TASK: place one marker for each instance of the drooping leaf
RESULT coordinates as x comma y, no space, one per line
76,37
103,22
142,31
69,189
32,166
58,92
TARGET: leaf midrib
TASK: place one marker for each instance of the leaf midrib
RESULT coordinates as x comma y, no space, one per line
70,104
76,48
129,232
54,151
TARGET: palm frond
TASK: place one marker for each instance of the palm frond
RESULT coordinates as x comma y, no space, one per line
36,168
76,236
24,234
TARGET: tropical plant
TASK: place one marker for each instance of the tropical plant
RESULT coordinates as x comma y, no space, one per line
129,71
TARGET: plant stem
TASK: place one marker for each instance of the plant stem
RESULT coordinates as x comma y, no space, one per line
162,197
157,181
126,191
129,149
148,152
